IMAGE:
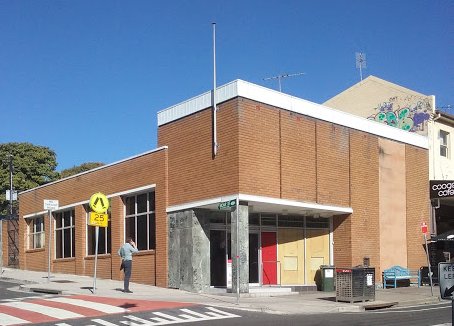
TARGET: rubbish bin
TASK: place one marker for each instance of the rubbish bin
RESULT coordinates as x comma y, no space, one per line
355,284
327,278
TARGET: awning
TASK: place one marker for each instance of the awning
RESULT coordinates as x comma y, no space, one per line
447,236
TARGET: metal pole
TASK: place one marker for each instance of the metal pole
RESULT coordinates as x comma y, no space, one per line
452,310
215,139
49,212
96,258
11,185
428,264
237,251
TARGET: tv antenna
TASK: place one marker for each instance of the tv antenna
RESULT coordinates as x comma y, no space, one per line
361,63
279,77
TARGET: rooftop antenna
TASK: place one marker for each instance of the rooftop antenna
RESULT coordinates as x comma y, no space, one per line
361,62
279,77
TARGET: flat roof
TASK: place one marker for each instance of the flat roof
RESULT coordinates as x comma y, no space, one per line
241,88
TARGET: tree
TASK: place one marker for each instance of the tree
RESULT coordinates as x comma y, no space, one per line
79,169
33,166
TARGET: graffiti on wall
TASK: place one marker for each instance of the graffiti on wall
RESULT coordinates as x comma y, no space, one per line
409,113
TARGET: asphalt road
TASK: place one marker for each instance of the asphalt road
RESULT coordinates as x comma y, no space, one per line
154,313
10,290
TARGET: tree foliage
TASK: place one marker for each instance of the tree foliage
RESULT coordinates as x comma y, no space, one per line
33,166
79,169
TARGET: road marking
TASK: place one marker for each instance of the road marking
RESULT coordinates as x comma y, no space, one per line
103,322
49,311
92,305
11,320
412,310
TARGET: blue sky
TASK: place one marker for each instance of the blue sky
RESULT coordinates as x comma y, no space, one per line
86,78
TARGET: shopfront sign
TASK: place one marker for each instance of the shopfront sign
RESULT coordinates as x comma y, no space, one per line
441,188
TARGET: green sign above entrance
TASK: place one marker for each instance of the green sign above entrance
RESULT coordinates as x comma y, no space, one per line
227,204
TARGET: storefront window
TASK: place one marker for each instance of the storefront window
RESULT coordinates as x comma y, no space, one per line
317,223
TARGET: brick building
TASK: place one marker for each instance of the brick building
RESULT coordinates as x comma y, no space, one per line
308,186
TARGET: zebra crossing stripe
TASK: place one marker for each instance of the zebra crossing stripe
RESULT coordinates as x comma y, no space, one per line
48,311
11,320
160,314
193,313
103,322
223,313
91,305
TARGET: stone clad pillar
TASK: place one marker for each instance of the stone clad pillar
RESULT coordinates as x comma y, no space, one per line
240,247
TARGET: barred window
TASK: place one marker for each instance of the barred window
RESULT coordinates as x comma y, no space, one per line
64,234
36,233
140,220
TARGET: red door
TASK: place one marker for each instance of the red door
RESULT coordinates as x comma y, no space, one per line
269,258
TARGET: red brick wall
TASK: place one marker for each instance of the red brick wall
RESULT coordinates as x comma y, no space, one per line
333,164
130,174
259,149
298,155
417,179
193,173
364,183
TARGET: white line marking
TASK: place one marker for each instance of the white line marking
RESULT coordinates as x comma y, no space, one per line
413,310
49,311
142,322
193,313
222,312
92,305
187,317
160,314
103,322
11,320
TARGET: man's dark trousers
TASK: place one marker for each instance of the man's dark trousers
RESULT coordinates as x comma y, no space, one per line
127,269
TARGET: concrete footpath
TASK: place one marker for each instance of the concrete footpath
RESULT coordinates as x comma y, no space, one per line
270,301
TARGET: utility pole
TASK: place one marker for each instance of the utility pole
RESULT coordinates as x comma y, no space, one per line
279,78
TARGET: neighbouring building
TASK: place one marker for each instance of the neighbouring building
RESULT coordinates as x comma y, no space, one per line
400,107
269,188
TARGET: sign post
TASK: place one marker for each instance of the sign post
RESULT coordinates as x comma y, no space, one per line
50,205
424,230
98,218
446,283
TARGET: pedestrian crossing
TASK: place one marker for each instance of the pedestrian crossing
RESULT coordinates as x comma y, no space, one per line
62,310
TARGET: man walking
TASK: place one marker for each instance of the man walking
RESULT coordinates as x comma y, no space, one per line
126,252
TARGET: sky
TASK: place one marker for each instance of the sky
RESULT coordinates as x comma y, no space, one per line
86,78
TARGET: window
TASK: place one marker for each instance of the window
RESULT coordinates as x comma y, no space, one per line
140,221
444,143
317,223
104,239
64,234
36,233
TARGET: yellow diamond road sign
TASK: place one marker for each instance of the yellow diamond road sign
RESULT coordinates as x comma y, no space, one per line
98,219
99,203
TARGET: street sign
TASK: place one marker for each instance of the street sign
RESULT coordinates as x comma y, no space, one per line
98,219
227,204
446,280
50,204
8,195
424,227
99,203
